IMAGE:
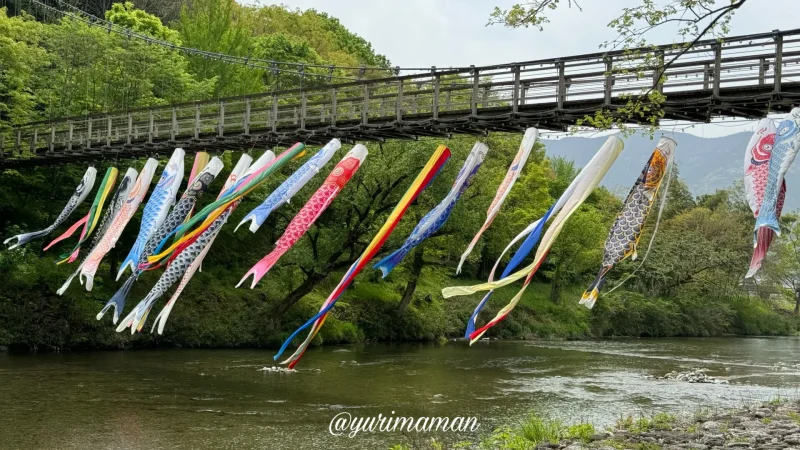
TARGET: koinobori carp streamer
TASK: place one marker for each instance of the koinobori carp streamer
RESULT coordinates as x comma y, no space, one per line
88,267
177,216
188,254
437,217
594,171
115,205
514,171
80,194
787,143
425,177
309,213
199,249
756,172
623,238
284,193
242,187
156,208
89,221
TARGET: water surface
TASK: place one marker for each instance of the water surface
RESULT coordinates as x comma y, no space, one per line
191,399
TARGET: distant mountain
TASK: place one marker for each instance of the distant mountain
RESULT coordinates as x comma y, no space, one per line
706,164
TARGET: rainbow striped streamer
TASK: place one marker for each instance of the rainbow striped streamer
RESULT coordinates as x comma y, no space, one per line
243,187
89,221
594,171
425,177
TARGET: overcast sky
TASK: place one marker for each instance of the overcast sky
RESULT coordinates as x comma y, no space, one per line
423,33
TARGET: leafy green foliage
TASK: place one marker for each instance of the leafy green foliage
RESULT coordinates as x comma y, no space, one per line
691,284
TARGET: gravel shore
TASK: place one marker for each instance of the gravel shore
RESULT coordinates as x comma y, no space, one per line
772,426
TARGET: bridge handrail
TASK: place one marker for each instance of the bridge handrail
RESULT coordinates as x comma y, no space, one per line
586,59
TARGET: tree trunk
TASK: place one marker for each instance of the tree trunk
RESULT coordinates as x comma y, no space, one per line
301,291
416,270
797,302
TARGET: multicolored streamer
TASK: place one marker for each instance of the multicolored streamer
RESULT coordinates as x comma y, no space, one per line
243,187
178,215
514,171
437,217
291,186
594,171
203,243
425,177
91,219
136,194
309,213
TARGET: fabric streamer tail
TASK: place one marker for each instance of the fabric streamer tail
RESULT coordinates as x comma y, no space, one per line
70,231
589,297
388,263
118,300
473,319
764,238
261,268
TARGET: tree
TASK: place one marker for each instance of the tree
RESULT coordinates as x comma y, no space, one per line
782,267
697,19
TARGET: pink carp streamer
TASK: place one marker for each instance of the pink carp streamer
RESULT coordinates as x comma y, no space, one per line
590,176
425,177
310,212
137,193
513,173
756,171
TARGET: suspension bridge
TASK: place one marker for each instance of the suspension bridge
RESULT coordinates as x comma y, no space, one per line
744,76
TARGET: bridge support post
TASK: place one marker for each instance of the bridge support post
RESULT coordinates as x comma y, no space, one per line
658,84
196,121
69,136
778,62
365,106
246,118
435,109
303,110
34,140
475,86
221,120
333,107
717,67
274,116
515,94
130,130
399,105
151,128
19,139
609,84
108,133
174,131
562,85
89,133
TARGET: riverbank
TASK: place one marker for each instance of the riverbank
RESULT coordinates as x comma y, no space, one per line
774,425
215,315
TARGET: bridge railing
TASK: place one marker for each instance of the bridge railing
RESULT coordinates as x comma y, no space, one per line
556,85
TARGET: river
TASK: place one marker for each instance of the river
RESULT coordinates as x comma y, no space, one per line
192,399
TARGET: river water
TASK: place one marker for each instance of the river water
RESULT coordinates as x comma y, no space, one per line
193,399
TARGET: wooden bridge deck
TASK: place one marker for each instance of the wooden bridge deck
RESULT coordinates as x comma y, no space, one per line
745,76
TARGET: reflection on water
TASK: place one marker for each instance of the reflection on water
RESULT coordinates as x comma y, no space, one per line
219,398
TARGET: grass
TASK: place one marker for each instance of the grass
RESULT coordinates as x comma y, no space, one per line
660,421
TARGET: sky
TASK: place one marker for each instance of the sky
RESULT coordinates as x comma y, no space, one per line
442,33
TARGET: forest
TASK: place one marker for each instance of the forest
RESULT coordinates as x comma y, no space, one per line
691,284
